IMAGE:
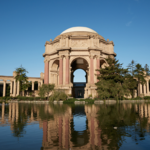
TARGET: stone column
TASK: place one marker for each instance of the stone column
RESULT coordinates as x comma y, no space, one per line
32,85
144,88
39,85
14,91
4,88
147,86
98,66
46,73
67,69
91,70
61,70
140,90
11,88
18,88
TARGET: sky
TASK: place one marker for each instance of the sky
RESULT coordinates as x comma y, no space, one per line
25,26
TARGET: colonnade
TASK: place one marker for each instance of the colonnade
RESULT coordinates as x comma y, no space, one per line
15,87
145,89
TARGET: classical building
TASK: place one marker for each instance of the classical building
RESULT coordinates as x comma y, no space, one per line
75,48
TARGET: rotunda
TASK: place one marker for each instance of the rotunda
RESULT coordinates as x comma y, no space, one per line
76,48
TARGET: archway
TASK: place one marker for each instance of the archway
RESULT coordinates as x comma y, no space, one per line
81,66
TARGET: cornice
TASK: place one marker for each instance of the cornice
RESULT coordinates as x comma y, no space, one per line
94,48
52,42
63,48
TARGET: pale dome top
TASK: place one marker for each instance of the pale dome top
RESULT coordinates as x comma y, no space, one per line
74,29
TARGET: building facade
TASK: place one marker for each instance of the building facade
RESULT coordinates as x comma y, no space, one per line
76,48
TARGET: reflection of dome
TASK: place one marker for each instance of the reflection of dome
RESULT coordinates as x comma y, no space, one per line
83,29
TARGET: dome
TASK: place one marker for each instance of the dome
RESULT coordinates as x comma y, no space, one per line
83,29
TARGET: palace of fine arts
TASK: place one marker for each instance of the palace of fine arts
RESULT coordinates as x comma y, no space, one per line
74,75
75,48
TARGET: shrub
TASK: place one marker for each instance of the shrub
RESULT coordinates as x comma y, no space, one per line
147,97
137,98
37,98
58,95
43,98
31,98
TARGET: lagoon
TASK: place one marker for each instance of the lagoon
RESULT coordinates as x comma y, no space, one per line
62,126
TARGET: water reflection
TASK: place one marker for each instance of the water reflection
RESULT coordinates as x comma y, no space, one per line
84,126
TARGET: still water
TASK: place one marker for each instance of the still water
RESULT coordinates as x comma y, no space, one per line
89,127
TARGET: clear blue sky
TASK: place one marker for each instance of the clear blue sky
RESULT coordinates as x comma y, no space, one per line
25,26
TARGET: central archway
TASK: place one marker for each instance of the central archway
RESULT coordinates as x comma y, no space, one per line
78,89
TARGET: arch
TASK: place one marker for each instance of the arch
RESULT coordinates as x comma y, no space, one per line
55,65
79,63
73,59
103,63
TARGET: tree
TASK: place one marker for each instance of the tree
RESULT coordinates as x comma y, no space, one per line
46,89
112,80
139,74
132,83
146,68
22,78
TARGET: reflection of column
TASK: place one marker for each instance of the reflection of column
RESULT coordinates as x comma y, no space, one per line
99,136
92,131
10,106
91,70
4,88
46,73
31,114
13,112
67,69
60,132
3,112
17,112
61,70
45,131
32,85
66,133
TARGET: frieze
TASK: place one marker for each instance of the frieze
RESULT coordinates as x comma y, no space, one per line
63,44
56,45
79,43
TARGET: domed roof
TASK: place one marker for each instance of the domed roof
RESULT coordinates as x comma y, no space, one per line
74,29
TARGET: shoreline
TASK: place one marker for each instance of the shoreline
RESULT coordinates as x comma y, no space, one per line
79,102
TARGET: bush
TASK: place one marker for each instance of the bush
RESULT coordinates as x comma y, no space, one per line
37,98
31,98
137,98
58,95
147,97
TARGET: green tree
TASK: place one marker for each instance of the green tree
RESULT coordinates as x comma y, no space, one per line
46,89
132,83
22,78
146,68
139,74
112,80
